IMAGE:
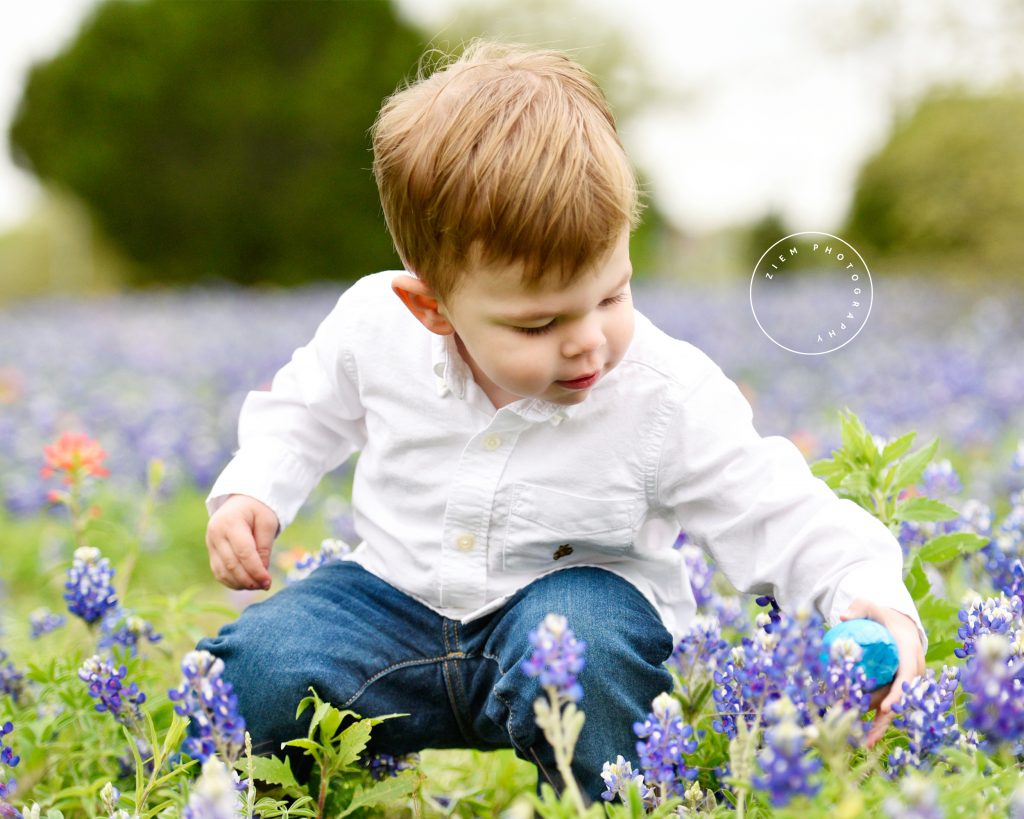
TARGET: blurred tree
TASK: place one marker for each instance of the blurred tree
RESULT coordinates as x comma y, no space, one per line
223,140
946,194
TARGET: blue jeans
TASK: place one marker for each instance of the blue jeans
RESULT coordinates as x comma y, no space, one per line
366,646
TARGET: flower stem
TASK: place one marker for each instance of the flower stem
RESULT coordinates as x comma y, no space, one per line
563,755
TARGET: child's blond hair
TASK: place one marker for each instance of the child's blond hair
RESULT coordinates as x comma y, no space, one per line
506,155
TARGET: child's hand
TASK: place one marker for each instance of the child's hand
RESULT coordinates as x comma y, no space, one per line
238,538
912,664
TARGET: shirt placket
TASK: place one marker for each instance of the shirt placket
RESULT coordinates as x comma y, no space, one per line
467,520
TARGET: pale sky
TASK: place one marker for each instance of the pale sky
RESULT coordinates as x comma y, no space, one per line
780,102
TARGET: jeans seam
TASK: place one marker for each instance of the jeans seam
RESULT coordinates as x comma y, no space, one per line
449,671
389,669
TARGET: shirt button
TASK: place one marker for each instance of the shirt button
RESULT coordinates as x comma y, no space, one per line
492,442
465,542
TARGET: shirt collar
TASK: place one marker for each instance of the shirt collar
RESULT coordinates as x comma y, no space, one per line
451,374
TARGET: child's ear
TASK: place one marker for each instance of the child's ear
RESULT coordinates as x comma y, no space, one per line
421,303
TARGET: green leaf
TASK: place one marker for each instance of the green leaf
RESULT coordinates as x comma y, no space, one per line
329,724
898,448
916,580
924,509
856,484
912,467
829,471
306,744
941,650
274,771
352,742
935,608
384,792
946,547
856,439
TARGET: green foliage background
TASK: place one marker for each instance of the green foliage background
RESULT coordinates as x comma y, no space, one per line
946,193
223,140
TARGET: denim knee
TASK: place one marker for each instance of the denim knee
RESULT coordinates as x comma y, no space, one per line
627,645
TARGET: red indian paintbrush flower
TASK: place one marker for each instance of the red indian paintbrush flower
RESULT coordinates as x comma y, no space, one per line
75,454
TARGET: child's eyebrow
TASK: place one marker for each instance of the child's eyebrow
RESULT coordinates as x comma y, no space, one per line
538,315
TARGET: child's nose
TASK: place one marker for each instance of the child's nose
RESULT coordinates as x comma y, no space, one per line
587,336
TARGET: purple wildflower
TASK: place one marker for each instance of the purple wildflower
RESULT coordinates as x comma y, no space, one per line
12,681
784,759
43,621
697,654
120,626
558,657
7,760
663,739
785,657
209,701
994,677
106,683
385,765
618,775
700,572
926,712
920,801
1002,615
215,794
1018,456
941,480
331,551
89,592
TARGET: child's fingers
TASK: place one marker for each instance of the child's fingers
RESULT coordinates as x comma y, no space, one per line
217,567
264,530
244,561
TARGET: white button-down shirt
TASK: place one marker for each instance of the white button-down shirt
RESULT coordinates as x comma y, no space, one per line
459,505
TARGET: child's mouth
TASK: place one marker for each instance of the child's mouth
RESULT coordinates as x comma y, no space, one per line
580,383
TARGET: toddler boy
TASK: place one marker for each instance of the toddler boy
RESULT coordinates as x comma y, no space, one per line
529,443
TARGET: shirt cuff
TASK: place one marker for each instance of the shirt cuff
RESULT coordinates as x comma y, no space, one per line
873,584
270,473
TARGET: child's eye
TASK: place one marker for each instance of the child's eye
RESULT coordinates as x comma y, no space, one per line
536,331
540,331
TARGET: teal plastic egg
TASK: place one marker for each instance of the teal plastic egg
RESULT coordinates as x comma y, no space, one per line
881,658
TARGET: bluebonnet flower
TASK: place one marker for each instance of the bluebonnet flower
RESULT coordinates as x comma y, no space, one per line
12,681
787,660
120,626
106,683
994,677
784,760
1002,615
920,800
331,551
941,480
617,775
697,654
215,794
926,713
699,570
382,766
8,760
209,701
1016,805
89,592
663,740
43,621
110,796
558,657
774,612
1018,457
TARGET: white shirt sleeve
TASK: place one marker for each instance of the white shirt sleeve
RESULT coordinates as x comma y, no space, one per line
772,527
308,423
